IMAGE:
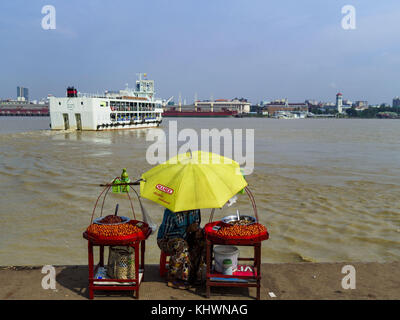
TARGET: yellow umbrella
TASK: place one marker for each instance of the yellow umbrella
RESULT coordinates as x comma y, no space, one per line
195,180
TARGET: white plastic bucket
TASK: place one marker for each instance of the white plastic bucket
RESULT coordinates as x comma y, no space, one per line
225,252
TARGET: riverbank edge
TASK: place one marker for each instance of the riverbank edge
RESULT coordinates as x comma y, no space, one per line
280,281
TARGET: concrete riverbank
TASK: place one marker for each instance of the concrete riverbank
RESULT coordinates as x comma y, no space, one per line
285,281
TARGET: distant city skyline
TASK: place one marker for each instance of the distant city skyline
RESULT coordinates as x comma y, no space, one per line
225,49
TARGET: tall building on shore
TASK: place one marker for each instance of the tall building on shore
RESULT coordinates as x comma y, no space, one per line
339,102
22,94
396,102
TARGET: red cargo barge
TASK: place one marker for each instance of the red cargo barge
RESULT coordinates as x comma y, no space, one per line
25,112
199,113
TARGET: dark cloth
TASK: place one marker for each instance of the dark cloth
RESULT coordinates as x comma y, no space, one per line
180,237
175,224
187,258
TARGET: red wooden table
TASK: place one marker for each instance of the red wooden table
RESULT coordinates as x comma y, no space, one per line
137,241
217,279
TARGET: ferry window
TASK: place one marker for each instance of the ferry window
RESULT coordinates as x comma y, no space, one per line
112,117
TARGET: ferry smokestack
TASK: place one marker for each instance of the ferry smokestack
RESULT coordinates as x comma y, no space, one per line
72,92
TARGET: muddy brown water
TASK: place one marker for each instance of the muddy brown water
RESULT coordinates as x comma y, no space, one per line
327,190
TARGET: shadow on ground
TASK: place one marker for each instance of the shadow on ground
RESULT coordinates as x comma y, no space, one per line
75,279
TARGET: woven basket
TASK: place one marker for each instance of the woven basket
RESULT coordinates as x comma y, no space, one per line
121,262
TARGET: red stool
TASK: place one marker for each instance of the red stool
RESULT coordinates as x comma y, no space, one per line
163,263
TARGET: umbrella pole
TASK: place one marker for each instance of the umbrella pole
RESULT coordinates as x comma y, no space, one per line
211,215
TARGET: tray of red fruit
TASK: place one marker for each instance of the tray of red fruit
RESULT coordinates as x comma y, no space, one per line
236,234
120,230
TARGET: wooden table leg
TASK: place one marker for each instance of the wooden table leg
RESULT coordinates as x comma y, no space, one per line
258,264
143,247
136,246
90,264
102,256
208,269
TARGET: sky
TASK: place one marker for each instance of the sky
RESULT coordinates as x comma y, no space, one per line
256,49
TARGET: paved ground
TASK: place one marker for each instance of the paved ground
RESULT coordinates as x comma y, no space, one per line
286,281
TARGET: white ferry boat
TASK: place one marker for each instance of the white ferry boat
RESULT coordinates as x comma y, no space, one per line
125,109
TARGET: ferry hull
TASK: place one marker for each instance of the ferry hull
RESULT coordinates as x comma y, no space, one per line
130,127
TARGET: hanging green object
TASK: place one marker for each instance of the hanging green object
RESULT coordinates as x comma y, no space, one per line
116,188
125,179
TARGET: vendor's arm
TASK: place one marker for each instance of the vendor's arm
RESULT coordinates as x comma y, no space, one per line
194,220
193,227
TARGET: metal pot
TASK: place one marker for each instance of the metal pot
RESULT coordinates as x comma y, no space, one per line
124,220
247,220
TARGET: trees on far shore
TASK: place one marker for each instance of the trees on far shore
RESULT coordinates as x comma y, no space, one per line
373,112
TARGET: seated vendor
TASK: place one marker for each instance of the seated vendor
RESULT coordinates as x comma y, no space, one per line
181,237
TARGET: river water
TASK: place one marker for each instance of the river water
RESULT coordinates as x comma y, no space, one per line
328,190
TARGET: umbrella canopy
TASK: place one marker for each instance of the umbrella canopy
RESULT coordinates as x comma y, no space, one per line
197,180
